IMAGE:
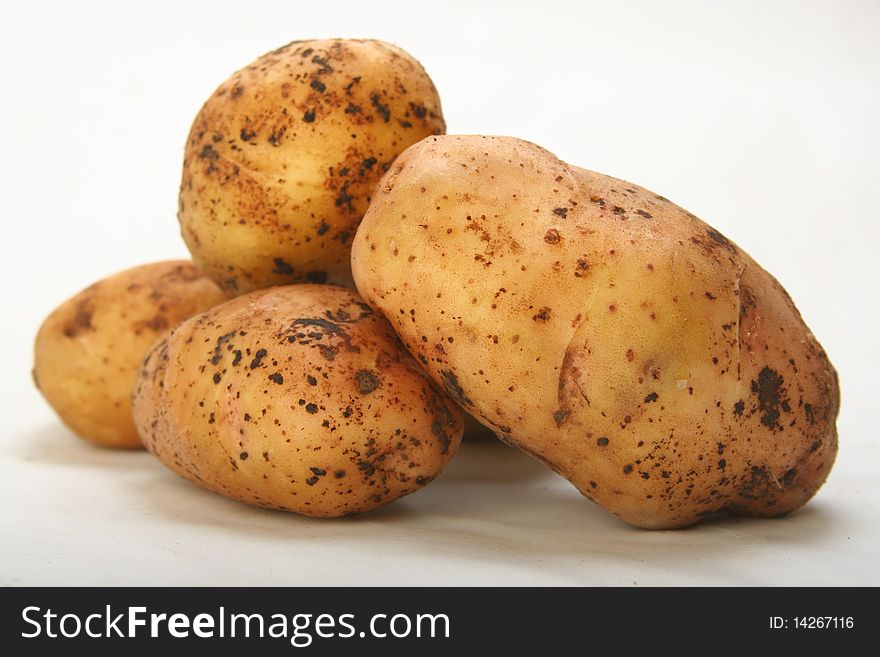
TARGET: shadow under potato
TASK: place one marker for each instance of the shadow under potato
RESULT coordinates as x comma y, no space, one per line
473,430
57,445
497,506
488,490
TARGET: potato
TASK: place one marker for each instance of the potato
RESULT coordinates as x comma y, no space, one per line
601,328
282,160
297,398
89,349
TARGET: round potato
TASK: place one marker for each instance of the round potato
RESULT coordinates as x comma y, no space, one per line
601,328
282,160
89,349
297,398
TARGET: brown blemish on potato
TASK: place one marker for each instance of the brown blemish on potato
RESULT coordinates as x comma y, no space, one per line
441,425
718,238
367,381
157,323
542,315
381,110
317,277
453,388
208,153
282,267
771,398
259,355
82,318
559,416
758,486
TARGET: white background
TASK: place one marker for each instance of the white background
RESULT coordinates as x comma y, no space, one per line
760,117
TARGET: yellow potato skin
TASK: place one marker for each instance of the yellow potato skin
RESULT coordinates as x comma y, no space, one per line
601,328
89,349
282,160
297,398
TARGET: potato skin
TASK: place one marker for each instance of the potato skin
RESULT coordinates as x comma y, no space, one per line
282,160
601,328
297,398
89,349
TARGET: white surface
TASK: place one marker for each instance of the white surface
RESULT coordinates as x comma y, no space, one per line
762,118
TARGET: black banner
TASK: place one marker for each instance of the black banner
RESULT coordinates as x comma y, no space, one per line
431,621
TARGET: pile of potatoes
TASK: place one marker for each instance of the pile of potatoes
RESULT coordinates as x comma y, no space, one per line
585,320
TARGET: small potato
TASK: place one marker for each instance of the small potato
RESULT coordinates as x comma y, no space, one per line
602,329
283,158
297,398
88,350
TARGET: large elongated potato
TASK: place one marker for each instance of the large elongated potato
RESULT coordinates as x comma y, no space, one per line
88,350
282,160
297,398
601,328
